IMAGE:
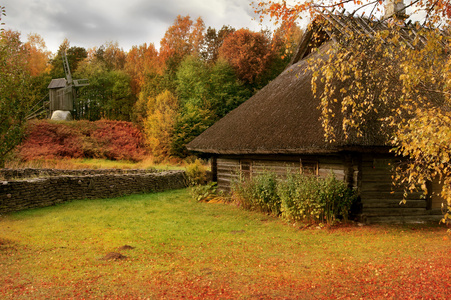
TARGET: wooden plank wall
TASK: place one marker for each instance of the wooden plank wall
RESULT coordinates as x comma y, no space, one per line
228,169
280,168
334,164
381,200
369,174
436,199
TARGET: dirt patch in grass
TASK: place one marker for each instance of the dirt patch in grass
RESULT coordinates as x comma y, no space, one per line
125,247
113,256
6,244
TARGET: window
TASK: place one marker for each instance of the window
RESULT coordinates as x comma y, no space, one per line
309,167
246,168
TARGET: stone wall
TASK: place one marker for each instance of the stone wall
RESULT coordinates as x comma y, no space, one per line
20,192
11,174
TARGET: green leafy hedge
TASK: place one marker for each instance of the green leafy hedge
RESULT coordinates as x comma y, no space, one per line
297,197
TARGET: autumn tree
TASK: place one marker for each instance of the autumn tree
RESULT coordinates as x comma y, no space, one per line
113,56
183,38
248,52
397,79
140,61
148,78
38,58
159,124
2,14
213,41
38,55
15,98
284,42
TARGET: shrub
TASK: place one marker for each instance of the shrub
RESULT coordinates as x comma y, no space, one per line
119,140
297,197
300,198
258,193
313,199
196,173
203,192
337,198
115,140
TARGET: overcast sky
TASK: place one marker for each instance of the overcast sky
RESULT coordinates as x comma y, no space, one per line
89,23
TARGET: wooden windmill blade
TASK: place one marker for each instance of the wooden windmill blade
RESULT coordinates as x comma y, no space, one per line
67,68
80,82
71,85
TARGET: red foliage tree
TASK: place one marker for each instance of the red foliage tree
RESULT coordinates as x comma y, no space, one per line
248,52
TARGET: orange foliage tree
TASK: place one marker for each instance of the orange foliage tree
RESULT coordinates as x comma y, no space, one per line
183,38
213,41
248,52
139,61
38,55
113,56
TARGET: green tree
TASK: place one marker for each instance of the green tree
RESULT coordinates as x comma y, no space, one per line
206,93
210,87
75,55
191,122
225,90
15,95
192,82
109,94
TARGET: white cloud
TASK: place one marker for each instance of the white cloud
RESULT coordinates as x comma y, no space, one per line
88,23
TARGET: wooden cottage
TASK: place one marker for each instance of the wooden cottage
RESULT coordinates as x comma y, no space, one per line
279,129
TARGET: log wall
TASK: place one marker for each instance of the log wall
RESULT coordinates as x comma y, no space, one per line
381,201
228,168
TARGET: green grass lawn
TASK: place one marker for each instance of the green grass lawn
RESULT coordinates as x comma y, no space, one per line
186,249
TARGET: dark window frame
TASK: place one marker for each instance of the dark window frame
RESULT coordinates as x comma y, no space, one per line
309,167
245,169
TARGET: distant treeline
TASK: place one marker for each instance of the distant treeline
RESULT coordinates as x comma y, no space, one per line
172,94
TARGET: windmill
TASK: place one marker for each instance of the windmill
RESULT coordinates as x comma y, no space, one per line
62,93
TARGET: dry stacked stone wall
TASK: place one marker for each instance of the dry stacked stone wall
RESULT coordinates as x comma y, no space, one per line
30,188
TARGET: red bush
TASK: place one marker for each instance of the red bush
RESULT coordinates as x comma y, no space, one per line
119,140
115,140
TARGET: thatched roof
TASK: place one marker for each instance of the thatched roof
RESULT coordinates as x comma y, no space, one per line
283,117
